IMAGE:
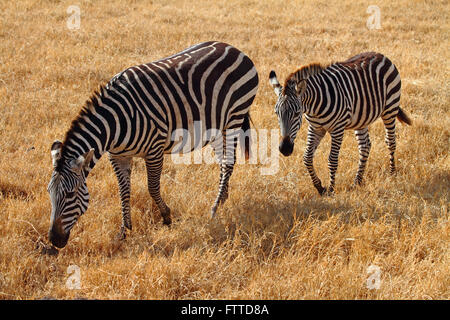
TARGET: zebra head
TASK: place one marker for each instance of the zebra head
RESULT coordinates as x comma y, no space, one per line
289,110
68,193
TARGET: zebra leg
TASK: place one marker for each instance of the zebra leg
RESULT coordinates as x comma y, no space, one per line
336,141
122,169
154,166
364,145
227,158
314,138
389,124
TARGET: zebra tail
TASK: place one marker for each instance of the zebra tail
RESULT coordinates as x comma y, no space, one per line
403,117
245,135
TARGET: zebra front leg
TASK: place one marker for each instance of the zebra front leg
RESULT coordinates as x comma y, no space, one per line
389,124
364,145
227,158
122,169
154,166
336,142
314,138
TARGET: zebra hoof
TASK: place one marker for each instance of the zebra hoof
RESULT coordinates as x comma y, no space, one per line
213,212
165,214
126,224
356,184
167,221
122,234
322,191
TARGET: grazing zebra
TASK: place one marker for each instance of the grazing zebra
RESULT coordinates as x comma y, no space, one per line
136,114
344,95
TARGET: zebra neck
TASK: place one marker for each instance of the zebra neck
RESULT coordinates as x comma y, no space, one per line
86,133
310,73
309,99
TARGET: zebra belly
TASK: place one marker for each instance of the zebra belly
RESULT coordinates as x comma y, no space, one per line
194,137
366,118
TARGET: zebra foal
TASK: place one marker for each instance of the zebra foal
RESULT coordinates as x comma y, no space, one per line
137,113
341,96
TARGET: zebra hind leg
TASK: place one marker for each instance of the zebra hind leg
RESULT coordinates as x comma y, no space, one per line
227,158
364,145
154,166
122,169
389,124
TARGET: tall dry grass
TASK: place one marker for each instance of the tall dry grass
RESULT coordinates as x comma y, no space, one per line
275,238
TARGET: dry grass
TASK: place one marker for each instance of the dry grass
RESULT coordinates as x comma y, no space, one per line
275,238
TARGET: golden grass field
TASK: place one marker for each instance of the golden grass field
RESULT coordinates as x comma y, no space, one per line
275,237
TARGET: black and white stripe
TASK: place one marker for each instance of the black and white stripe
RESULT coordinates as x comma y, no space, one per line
338,97
136,115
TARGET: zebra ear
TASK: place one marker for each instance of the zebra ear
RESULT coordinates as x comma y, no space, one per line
300,87
56,152
274,82
82,162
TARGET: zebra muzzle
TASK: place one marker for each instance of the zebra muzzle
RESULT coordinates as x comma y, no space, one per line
56,234
286,146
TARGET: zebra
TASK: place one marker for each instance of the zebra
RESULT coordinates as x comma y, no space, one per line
337,97
136,114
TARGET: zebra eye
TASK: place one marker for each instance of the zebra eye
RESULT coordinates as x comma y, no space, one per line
70,194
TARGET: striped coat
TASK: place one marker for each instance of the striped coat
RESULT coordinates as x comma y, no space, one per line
341,96
209,86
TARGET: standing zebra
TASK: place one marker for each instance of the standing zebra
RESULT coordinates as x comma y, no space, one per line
136,115
345,95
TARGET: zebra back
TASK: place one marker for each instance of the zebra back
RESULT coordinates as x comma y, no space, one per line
212,84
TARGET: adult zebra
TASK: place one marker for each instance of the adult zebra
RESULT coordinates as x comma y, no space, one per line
337,97
136,114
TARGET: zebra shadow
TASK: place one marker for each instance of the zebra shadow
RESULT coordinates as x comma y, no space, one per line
262,226
265,228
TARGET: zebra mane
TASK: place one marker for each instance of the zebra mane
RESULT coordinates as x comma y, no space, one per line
303,73
89,108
